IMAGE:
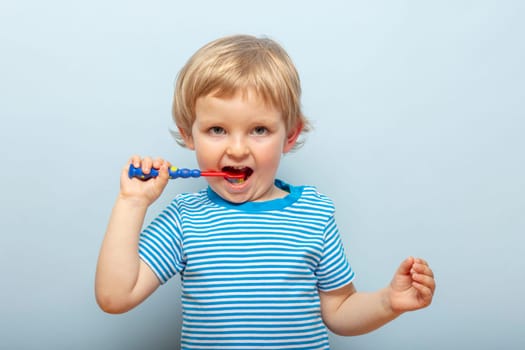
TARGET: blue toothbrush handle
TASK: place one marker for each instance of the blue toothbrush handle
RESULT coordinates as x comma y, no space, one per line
174,173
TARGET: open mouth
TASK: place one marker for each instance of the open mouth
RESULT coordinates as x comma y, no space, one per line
236,171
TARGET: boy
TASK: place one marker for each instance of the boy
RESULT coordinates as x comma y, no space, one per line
261,261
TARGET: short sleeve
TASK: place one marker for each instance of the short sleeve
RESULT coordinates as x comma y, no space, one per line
334,270
160,244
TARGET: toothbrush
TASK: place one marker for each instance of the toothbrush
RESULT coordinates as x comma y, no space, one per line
184,173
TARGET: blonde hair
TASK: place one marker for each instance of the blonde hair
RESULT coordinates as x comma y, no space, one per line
237,63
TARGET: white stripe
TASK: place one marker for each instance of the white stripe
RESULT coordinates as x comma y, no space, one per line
243,341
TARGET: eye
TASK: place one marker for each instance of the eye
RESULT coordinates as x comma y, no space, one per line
260,131
216,130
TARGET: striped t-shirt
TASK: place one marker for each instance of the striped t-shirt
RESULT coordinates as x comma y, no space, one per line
250,272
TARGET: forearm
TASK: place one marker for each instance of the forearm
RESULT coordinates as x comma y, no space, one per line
118,265
360,313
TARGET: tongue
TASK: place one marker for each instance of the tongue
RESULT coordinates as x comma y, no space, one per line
238,171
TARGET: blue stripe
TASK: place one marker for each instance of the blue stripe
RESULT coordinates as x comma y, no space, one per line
212,326
252,337
217,285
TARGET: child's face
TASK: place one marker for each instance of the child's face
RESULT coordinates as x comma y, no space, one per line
243,134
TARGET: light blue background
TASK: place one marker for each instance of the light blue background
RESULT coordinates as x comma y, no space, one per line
418,109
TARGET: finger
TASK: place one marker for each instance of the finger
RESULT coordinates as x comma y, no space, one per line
419,267
157,163
406,266
135,160
424,280
422,269
425,292
420,261
147,164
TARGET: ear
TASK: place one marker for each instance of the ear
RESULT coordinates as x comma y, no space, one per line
292,137
187,138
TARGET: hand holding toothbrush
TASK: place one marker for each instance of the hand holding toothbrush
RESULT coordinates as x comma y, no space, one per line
144,192
155,175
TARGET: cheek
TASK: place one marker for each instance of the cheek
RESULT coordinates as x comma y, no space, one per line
206,152
270,154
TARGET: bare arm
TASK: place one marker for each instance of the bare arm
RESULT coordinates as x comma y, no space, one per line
122,279
348,312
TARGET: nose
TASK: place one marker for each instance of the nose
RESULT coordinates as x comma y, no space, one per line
237,147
